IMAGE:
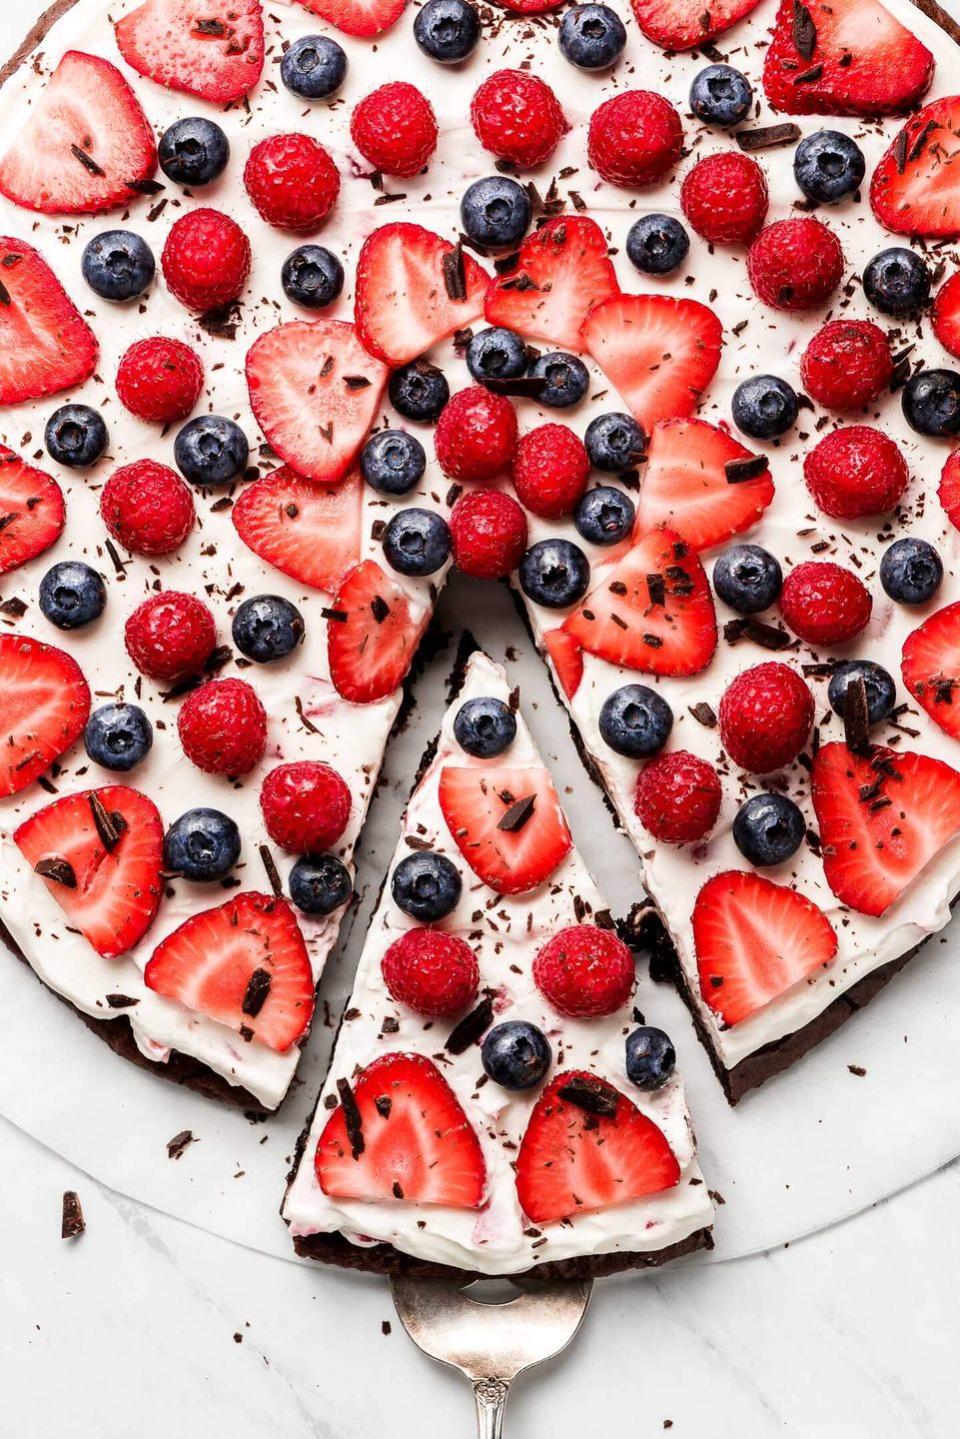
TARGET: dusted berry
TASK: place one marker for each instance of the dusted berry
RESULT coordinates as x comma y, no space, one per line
314,67
635,721
72,595
604,516
267,628
795,264
118,265
766,715
417,542
677,797
435,974
305,805
517,117
76,436
148,508
554,573
855,472
171,635
847,364
725,198
292,181
828,166
312,277
911,571
650,1058
418,391
550,471
615,442
223,727
476,435
202,845
160,380
206,260
768,829
657,244
565,379
516,1054
193,152
765,407
426,886
585,971
748,578
211,450
878,685
496,354
495,212
897,282
931,403
485,727
592,37
488,530
118,736
634,138
721,95
320,883
395,129
447,30
392,462
824,603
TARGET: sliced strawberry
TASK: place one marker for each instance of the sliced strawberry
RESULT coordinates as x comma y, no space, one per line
682,24
882,818
660,353
562,272
372,634
914,189
507,823
566,656
210,48
32,513
100,854
363,18
701,483
651,610
945,314
931,667
315,391
754,941
949,489
44,705
308,531
45,343
86,147
574,1160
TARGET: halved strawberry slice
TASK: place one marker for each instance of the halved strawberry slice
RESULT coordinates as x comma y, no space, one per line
949,488
702,483
408,283
373,632
308,531
210,48
659,353
566,656
650,611
914,189
44,705
575,1159
32,513
363,18
562,272
86,147
882,817
931,667
945,314
401,1135
45,343
682,24
754,941
507,823
100,854
315,391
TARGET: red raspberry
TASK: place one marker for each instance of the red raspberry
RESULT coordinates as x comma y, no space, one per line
945,314
160,380
725,198
634,138
489,532
677,797
584,971
476,435
824,603
170,635
395,129
223,727
854,472
517,117
147,508
795,264
550,471
306,806
206,260
434,973
292,181
847,363
766,715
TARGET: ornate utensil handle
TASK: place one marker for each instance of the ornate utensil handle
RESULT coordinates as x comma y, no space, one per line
491,1400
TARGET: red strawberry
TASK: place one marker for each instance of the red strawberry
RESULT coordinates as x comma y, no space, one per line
574,1159
660,353
931,667
311,532
691,483
86,147
406,288
507,823
949,489
100,854
32,513
243,964
372,634
406,1138
914,190
363,18
44,705
682,24
315,392
45,343
563,271
945,314
651,611
754,941
566,656
882,818
210,48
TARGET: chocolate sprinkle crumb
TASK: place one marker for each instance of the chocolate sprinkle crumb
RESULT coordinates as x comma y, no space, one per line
258,988
704,714
351,1117
855,717
454,275
109,826
180,1143
592,1095
513,819
72,1222
273,874
767,137
769,637
471,1027
804,30
737,471
60,870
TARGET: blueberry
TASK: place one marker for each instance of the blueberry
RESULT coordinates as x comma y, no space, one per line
312,277
604,515
748,578
554,573
657,244
447,30
651,1057
720,95
768,829
897,282
931,402
314,67
417,542
592,37
880,689
392,462
496,355
485,727
211,450
911,571
193,152
565,379
418,391
426,886
72,595
614,442
118,265
516,1054
495,211
75,436
828,166
267,627
320,883
765,407
636,721
118,736
203,844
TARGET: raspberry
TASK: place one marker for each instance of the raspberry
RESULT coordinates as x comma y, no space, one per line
434,973
476,435
725,198
160,380
945,314
223,727
306,806
517,117
584,971
766,715
854,472
147,508
206,260
292,181
395,129
489,532
795,264
824,603
171,635
634,138
550,471
847,363
677,797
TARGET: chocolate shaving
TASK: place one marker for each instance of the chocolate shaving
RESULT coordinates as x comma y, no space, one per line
704,714
900,152
120,1001
454,275
471,1027
258,988
657,587
109,826
920,143
58,869
856,720
769,637
351,1118
383,1104
4,294
179,1143
145,187
513,819
72,1222
210,27
379,609
87,161
273,874
522,387
767,137
737,471
804,30
356,382
590,1094
809,76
